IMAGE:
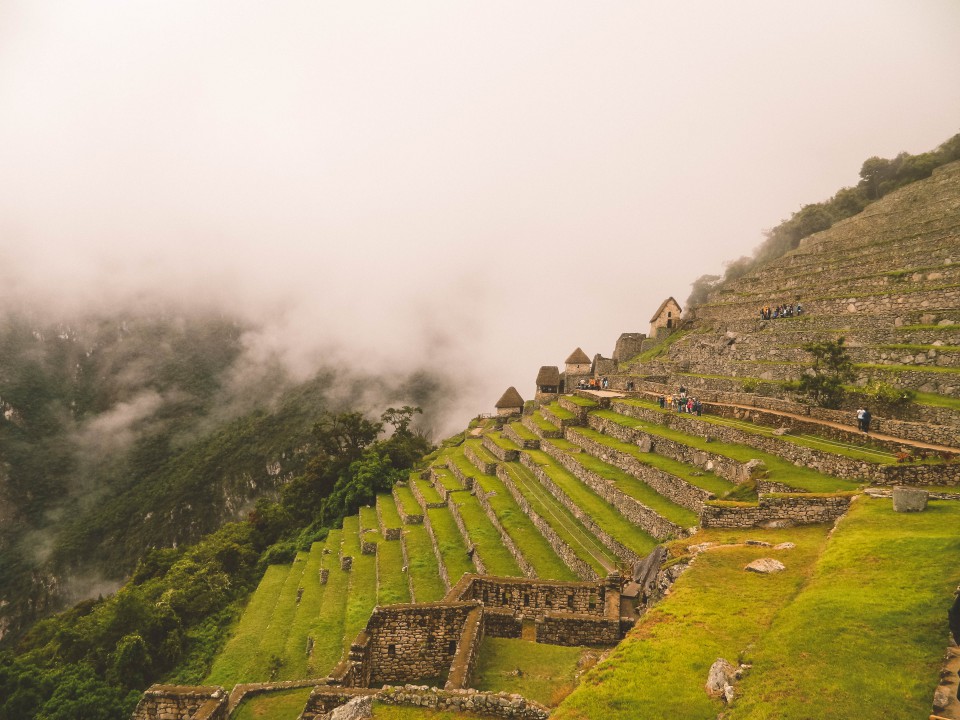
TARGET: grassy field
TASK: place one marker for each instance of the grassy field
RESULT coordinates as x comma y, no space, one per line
447,479
280,705
406,501
522,431
427,491
481,453
467,468
560,413
327,629
387,508
423,568
392,586
714,610
871,625
362,588
779,470
307,610
368,519
395,712
485,537
522,531
632,487
545,425
546,672
595,507
450,543
501,441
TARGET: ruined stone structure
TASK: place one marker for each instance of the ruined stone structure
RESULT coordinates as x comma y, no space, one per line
628,345
177,702
666,319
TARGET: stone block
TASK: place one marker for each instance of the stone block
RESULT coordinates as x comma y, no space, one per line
906,499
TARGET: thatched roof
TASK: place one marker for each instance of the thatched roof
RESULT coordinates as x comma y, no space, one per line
663,305
510,399
577,357
549,375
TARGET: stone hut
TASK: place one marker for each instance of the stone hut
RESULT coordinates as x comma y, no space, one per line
666,319
548,382
577,369
510,403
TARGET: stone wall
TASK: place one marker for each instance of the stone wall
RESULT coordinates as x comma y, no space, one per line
610,542
436,551
422,501
563,551
465,534
554,420
513,435
525,567
802,509
501,623
628,345
177,702
468,648
408,519
632,509
465,480
580,411
532,426
487,468
670,486
501,453
531,599
576,629
389,533
499,705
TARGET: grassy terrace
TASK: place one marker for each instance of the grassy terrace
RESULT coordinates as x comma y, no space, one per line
584,545
485,537
627,483
423,569
427,491
559,412
476,444
295,648
862,452
387,508
274,639
779,470
408,503
242,646
463,465
447,479
544,424
598,509
547,672
878,648
704,479
908,368
280,705
934,400
327,629
368,519
392,586
362,589
522,531
715,609
522,431
501,441
450,544
581,401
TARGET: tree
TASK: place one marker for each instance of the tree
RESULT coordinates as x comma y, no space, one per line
701,289
823,380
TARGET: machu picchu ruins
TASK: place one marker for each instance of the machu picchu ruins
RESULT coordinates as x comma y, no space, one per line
629,493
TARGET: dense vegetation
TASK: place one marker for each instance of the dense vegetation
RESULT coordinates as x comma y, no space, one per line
878,177
170,619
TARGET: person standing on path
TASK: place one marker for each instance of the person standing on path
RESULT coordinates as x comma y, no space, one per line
860,418
865,423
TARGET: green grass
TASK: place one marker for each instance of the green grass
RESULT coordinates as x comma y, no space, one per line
447,479
780,470
871,622
580,540
522,431
485,537
467,468
328,625
522,531
427,491
598,509
407,502
581,401
715,609
392,586
450,544
387,507
659,349
934,400
908,368
560,413
423,568
368,519
294,653
279,705
632,487
921,348
402,712
242,646
480,451
544,424
546,675
502,442
362,588
703,479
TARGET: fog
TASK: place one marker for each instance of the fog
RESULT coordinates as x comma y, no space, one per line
468,188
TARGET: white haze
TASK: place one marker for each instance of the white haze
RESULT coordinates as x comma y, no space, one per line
469,187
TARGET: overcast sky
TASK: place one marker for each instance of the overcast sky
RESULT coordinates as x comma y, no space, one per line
480,186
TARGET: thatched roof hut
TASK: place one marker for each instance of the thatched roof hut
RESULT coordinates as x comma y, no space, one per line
510,400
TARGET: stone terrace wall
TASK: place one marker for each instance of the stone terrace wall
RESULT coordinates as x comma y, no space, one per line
468,648
436,551
723,466
803,509
525,567
410,642
389,533
326,698
465,534
563,551
670,486
175,702
632,509
500,705
502,454
487,468
532,426
530,599
501,623
614,545
575,629
580,411
465,480
554,420
411,519
422,501
513,435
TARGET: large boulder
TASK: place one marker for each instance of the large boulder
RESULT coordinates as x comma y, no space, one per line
765,566
721,674
359,708
907,499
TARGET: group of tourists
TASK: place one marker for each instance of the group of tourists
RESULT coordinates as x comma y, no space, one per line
780,311
680,402
593,384
863,419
